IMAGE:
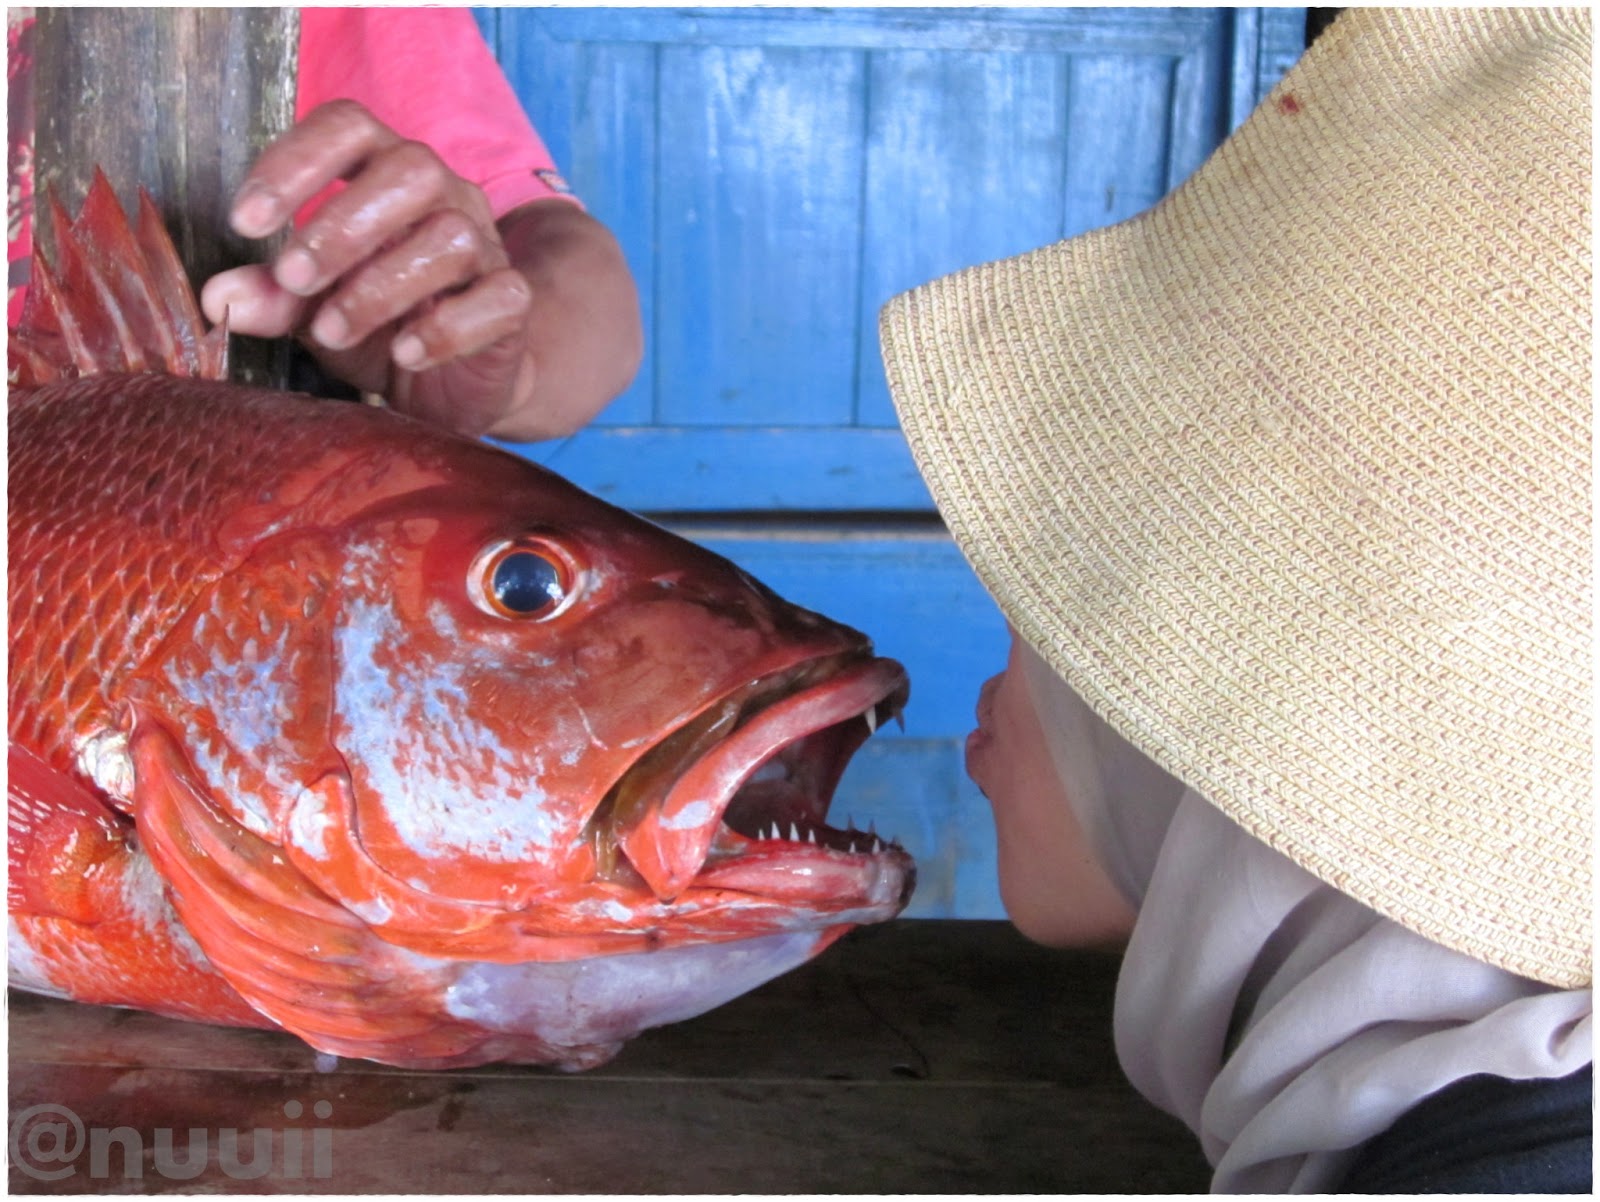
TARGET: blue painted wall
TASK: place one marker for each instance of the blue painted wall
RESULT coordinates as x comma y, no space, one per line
775,175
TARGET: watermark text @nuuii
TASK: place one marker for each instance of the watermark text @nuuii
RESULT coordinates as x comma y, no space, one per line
49,1142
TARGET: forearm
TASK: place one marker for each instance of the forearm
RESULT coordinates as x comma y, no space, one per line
585,340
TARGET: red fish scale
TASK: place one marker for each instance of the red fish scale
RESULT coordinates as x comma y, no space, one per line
108,472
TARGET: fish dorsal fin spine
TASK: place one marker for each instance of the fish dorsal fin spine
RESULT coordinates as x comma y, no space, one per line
111,298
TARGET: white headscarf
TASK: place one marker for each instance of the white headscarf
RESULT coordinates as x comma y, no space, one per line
1284,1023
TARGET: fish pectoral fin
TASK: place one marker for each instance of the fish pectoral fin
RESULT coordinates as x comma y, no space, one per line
297,956
88,916
64,844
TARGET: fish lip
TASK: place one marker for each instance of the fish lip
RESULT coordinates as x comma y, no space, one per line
813,726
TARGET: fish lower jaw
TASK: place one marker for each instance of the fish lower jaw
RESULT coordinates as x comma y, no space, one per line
815,867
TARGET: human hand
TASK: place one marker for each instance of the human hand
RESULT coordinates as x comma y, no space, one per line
401,283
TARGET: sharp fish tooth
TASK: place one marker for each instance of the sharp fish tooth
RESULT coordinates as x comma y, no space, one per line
900,721
794,833
811,835
872,719
877,845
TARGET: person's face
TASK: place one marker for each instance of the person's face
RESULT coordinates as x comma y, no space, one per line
1053,889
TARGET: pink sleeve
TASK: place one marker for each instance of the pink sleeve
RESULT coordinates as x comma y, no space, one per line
427,74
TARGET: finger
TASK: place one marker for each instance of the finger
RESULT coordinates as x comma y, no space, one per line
394,191
446,251
331,143
487,315
252,302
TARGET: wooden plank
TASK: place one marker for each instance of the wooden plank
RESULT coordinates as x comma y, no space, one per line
760,236
1283,41
1200,109
119,88
948,1002
1244,69
611,1138
964,164
912,1057
662,469
1118,138
1102,30
595,106
615,153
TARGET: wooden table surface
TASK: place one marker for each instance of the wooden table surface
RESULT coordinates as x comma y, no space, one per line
915,1057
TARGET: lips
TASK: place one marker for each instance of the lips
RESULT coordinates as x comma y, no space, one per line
979,738
737,799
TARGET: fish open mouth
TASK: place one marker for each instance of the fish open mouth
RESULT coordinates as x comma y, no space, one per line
737,799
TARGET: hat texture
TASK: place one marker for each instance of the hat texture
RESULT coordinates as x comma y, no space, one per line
1289,476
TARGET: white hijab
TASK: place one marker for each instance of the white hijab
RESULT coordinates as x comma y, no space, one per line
1284,1023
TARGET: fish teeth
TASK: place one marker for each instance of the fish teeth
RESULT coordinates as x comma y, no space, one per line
848,839
872,719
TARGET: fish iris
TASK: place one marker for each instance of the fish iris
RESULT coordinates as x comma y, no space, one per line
527,583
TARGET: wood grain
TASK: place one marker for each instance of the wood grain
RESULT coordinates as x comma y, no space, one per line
916,1057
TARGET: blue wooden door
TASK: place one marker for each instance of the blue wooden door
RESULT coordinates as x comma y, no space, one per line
774,176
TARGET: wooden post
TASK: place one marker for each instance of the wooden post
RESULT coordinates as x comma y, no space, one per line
180,100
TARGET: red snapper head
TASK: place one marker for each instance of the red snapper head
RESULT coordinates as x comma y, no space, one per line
554,730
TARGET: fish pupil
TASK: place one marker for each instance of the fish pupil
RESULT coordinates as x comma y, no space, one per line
525,582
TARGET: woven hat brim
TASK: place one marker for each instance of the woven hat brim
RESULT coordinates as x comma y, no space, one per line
1289,476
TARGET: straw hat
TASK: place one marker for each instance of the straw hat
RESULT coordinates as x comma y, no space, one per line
1289,477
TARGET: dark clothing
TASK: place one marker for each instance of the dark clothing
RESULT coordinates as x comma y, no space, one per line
1486,1135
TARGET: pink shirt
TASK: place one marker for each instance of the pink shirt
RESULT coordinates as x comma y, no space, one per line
426,73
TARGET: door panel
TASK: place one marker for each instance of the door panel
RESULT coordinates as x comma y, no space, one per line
765,215
775,175
945,190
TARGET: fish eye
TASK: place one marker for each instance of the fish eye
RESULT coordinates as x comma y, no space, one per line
521,579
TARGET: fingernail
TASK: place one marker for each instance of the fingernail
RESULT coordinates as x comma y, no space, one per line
331,329
216,296
408,351
255,211
296,270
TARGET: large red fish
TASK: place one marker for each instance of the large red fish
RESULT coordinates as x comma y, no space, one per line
325,719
